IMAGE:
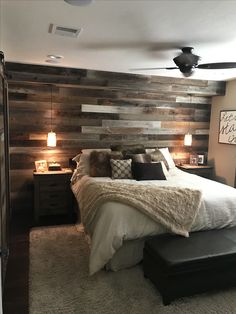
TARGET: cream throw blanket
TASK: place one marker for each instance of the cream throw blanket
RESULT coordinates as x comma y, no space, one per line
173,207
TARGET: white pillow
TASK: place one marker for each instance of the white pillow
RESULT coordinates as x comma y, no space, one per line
149,150
167,155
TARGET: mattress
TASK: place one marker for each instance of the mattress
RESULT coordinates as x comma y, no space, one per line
116,226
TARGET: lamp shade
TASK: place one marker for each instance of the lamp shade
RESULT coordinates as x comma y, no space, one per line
188,139
52,139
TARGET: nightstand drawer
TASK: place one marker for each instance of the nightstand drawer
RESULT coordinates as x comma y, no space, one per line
52,208
52,196
53,204
205,173
52,186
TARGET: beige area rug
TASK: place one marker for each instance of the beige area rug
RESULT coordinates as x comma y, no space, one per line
59,283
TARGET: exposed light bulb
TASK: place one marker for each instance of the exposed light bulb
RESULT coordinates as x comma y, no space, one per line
52,139
188,139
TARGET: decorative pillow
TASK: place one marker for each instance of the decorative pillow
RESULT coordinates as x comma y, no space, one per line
144,158
150,150
83,164
76,158
89,150
116,155
82,168
100,164
168,157
148,171
121,169
129,149
158,156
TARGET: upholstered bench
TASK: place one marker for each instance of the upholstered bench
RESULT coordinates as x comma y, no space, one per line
180,266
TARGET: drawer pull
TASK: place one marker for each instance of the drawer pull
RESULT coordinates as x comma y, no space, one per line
53,195
53,205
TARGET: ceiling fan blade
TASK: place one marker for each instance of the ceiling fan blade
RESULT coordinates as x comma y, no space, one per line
217,65
170,68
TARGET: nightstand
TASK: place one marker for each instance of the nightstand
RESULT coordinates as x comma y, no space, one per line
52,193
200,170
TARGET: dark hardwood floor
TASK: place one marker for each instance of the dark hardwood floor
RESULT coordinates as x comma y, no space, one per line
16,287
15,293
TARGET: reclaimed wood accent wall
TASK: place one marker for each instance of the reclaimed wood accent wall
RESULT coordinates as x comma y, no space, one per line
92,109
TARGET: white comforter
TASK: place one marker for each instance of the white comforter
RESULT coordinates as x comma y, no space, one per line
116,222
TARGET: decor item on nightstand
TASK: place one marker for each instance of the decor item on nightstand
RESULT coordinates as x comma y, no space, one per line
227,130
52,137
201,159
54,166
41,165
193,160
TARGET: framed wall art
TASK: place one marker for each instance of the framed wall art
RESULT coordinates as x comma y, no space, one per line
227,128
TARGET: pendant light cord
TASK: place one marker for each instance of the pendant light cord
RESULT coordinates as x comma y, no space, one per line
51,108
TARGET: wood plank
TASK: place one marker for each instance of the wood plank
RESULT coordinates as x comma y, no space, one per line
140,130
131,124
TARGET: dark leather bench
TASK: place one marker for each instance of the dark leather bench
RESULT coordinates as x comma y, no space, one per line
180,266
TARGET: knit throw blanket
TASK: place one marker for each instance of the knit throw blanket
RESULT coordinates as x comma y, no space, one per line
173,207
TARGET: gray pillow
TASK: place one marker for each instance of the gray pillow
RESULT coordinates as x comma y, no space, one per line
142,158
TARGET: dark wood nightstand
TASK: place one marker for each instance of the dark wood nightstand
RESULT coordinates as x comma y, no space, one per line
52,193
200,170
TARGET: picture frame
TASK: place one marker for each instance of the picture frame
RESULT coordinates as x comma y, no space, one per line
193,160
201,159
227,127
41,165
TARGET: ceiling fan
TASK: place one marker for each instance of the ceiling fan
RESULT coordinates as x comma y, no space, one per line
187,62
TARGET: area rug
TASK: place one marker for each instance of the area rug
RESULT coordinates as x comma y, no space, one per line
59,282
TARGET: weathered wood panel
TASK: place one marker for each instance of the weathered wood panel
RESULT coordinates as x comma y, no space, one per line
94,109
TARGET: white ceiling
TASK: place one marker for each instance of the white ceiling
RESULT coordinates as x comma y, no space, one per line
119,35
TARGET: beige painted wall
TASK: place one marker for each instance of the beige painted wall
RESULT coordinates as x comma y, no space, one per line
222,156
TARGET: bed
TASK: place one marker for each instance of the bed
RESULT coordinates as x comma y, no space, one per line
117,230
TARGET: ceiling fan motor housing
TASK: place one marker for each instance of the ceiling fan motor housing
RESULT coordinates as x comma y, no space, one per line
186,61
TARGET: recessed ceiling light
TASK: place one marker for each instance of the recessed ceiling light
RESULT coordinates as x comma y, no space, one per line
55,57
52,61
79,2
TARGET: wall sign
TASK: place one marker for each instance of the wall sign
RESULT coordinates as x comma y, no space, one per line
227,131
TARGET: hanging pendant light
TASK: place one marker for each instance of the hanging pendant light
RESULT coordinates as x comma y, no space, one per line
188,139
52,137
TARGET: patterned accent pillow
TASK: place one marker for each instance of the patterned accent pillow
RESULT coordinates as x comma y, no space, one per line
121,169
